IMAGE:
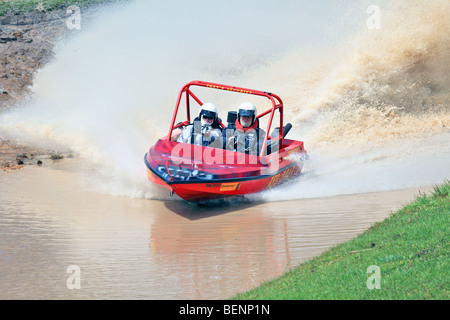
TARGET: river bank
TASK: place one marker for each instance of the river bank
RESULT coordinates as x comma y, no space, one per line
29,30
26,44
406,256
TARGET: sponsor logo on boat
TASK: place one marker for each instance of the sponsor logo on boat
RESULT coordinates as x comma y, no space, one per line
213,185
282,176
230,186
228,88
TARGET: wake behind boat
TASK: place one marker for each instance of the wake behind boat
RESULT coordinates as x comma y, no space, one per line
202,172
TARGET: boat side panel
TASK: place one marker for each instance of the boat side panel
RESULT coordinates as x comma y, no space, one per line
211,190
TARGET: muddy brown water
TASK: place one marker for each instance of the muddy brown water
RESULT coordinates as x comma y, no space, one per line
127,248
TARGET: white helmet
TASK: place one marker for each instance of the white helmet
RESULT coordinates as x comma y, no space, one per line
209,111
247,109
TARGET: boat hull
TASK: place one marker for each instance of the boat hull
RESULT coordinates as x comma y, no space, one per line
242,175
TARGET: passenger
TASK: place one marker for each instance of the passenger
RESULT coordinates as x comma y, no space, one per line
246,137
205,130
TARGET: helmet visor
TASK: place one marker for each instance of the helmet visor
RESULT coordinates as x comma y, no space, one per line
209,114
246,113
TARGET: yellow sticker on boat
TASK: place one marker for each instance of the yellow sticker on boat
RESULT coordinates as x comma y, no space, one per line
149,174
230,186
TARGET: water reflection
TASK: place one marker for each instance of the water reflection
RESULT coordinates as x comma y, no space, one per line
207,209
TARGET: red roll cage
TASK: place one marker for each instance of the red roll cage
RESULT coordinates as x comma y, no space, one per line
277,104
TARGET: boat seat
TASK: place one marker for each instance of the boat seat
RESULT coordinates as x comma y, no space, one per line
272,145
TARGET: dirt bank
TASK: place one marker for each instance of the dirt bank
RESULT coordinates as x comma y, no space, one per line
26,44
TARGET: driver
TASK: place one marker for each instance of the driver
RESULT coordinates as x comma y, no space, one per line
205,130
247,136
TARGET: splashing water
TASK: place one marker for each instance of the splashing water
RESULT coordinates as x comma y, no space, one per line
378,116
371,105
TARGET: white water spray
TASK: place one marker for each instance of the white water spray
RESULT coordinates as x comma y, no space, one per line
110,92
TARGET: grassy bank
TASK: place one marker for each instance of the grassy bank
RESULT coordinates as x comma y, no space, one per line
21,6
410,248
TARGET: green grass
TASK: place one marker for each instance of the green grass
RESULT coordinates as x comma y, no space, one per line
21,6
410,247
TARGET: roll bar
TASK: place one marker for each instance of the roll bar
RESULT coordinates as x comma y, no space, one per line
276,104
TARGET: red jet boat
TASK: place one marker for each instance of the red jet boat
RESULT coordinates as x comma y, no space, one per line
198,173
